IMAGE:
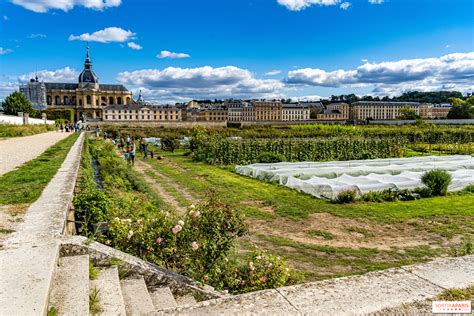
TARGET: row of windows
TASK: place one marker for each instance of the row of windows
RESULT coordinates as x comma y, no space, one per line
143,117
67,100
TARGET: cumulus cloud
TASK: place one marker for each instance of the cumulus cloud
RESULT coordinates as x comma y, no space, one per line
5,51
203,82
168,54
66,74
453,70
376,1
42,6
134,46
107,35
345,5
273,73
298,5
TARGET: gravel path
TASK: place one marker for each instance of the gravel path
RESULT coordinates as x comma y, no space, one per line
17,150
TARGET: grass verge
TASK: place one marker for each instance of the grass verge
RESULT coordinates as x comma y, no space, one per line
25,184
24,130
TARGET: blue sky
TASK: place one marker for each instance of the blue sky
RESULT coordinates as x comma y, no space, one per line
176,50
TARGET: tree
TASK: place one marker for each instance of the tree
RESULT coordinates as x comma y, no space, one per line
462,109
17,102
408,113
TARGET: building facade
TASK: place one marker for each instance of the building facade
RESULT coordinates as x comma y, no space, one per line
35,91
364,110
268,110
334,112
141,113
86,97
295,112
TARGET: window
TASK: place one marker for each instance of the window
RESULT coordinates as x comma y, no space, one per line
48,100
66,99
119,100
57,100
111,100
88,100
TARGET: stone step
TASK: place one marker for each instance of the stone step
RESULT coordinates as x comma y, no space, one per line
136,297
163,298
186,300
110,293
70,289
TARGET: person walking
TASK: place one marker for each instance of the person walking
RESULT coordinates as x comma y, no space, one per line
132,154
145,150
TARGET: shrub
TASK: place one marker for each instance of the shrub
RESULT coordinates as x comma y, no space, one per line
169,144
424,192
262,271
268,157
344,197
437,180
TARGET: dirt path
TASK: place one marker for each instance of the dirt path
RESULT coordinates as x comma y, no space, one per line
17,150
142,167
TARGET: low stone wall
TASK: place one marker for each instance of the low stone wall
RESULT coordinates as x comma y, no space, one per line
20,120
160,124
405,122
154,275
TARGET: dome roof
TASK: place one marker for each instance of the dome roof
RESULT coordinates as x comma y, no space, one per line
88,75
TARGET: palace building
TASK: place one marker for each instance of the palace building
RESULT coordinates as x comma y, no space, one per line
87,97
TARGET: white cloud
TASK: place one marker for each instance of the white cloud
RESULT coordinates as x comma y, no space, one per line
273,73
5,51
37,35
297,5
168,54
66,74
203,82
42,6
449,71
307,98
376,1
345,5
107,35
134,46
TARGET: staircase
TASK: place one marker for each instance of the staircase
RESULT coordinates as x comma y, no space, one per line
73,291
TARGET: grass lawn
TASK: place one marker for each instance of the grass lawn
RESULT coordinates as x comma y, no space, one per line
25,184
324,239
24,130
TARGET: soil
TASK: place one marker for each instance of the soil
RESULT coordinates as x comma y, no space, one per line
347,232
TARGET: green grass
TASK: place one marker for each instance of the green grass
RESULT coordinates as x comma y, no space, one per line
441,216
24,130
457,294
238,190
93,271
25,184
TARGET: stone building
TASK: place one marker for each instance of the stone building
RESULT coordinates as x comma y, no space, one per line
363,110
334,112
141,113
295,112
35,91
268,110
87,97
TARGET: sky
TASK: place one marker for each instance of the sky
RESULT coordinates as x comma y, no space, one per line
177,50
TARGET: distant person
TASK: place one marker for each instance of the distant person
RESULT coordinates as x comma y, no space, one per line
132,154
152,154
126,155
62,128
128,140
145,150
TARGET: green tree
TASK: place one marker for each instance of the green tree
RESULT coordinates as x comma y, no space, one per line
408,113
462,109
17,102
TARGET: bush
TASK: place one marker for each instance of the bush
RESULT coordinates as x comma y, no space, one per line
424,192
345,197
437,180
169,144
267,157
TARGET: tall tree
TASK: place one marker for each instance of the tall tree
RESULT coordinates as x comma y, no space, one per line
17,102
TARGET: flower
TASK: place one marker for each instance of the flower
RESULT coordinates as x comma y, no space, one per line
205,278
287,269
181,223
270,265
192,206
259,257
195,214
130,234
194,245
263,279
251,266
177,229
159,240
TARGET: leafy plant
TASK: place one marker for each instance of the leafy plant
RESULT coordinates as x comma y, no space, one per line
267,157
345,197
437,181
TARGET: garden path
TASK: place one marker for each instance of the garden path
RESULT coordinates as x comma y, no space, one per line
142,167
17,150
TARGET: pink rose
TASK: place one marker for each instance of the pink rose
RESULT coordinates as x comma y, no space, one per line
194,245
177,229
159,240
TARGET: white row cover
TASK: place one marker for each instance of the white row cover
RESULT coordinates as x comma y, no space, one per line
327,179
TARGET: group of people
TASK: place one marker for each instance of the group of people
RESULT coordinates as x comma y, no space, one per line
69,128
145,150
127,146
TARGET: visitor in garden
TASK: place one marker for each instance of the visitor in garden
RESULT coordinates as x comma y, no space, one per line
145,150
132,154
126,155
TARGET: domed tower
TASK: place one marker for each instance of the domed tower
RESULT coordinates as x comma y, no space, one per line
88,78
